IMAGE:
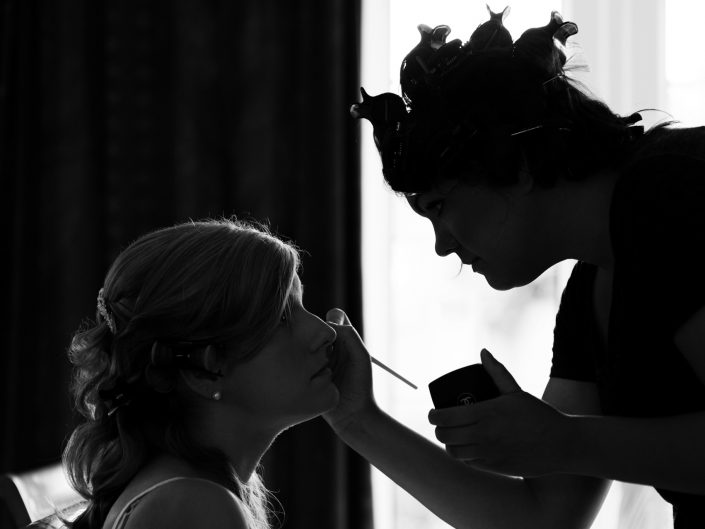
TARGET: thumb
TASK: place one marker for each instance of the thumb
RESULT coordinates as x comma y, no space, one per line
502,378
337,316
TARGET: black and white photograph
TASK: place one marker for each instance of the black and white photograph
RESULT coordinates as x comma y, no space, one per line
352,264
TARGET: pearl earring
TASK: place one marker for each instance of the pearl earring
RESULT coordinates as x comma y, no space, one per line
217,395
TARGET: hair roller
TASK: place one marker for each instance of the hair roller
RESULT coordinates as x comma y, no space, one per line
161,355
186,355
491,34
468,99
210,359
537,45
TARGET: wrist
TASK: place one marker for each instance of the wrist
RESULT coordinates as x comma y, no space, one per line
573,444
353,424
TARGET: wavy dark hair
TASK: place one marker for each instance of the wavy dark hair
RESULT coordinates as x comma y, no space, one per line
484,110
208,282
496,115
554,129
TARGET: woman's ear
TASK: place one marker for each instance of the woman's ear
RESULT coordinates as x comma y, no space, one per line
202,383
202,371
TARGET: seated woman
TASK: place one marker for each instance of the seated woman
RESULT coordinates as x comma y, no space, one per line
201,355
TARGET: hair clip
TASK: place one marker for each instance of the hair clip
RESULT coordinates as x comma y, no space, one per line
386,112
632,118
119,395
631,121
104,312
555,77
461,134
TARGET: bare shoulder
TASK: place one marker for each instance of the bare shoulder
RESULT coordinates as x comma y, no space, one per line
189,503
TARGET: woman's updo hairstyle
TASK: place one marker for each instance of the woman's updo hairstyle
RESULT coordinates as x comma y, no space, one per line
484,109
192,296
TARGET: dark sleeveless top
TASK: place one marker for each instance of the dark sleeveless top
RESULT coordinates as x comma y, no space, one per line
657,224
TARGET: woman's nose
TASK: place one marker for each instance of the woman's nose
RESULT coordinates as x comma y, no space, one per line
331,334
445,244
327,333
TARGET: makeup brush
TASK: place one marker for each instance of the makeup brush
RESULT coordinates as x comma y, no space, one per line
392,372
338,317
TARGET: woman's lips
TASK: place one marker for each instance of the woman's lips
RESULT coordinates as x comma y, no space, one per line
470,261
326,367
474,262
325,372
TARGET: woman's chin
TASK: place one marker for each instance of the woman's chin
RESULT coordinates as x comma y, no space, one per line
334,399
503,282
500,284
323,404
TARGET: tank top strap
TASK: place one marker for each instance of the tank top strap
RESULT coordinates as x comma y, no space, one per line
125,512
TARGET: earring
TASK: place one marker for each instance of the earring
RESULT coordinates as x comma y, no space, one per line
217,395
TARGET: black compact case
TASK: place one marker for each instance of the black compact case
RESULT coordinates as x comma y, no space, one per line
463,386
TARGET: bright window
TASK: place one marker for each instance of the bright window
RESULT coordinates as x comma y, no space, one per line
424,315
685,63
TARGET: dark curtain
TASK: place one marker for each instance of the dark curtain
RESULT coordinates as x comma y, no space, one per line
122,116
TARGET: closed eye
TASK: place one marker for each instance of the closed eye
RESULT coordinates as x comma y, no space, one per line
435,206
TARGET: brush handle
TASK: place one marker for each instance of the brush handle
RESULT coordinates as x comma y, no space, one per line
391,371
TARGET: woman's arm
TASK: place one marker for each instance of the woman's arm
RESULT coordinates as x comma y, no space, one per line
453,491
463,496
457,493
665,452
517,434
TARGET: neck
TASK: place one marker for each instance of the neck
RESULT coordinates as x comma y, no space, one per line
242,440
582,226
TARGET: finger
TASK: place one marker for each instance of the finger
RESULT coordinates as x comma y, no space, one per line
458,436
347,344
456,415
500,375
468,453
337,316
334,356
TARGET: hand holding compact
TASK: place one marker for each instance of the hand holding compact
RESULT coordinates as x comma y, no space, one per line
514,433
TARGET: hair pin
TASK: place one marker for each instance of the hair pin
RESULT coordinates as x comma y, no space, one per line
526,130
